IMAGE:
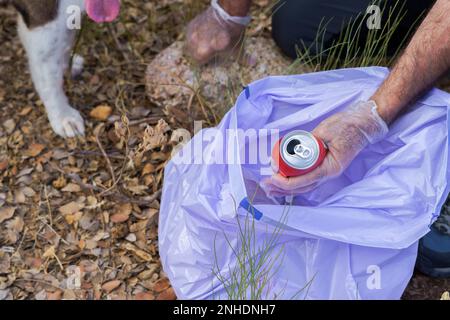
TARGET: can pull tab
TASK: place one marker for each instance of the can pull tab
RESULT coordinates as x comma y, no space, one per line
302,151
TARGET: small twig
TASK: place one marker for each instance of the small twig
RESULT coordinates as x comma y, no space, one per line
21,241
40,281
106,192
189,105
127,152
53,230
83,185
48,206
105,155
117,42
149,120
96,153
57,260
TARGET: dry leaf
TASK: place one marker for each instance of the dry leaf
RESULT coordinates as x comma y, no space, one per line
69,294
26,111
5,262
4,294
151,214
101,112
137,190
81,244
19,197
24,172
4,164
147,274
124,209
111,285
148,168
122,213
9,125
72,218
144,296
28,192
71,187
57,295
119,218
153,137
49,253
101,235
13,229
59,183
89,222
41,295
135,187
138,252
91,244
34,150
71,208
168,294
6,213
161,285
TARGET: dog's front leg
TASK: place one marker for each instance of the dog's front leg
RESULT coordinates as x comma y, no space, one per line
48,48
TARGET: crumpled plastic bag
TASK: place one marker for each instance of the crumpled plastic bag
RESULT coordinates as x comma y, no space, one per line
354,237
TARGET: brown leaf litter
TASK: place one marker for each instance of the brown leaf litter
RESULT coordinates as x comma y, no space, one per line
78,218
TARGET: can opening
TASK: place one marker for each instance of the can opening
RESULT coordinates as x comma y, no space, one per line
290,148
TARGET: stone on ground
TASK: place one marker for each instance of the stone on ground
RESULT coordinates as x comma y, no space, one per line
172,81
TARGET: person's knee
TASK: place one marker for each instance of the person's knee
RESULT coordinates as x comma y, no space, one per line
302,23
296,24
287,29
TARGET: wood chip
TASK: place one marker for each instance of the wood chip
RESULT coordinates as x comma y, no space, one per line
161,285
71,187
122,213
168,294
144,296
101,112
6,213
71,208
34,150
111,285
138,252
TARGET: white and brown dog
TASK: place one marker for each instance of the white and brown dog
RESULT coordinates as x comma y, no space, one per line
48,39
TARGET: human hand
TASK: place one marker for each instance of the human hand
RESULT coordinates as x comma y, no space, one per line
345,133
214,32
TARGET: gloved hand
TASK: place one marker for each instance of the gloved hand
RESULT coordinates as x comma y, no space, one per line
214,32
345,133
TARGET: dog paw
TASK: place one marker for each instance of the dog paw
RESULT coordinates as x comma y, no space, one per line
67,123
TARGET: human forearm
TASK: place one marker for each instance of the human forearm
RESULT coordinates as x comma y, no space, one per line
425,60
239,8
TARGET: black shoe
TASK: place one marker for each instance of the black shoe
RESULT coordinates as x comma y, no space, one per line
434,254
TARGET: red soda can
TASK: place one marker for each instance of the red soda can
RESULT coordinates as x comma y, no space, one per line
298,153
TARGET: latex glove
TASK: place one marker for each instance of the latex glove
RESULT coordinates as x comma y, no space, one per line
214,32
345,134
